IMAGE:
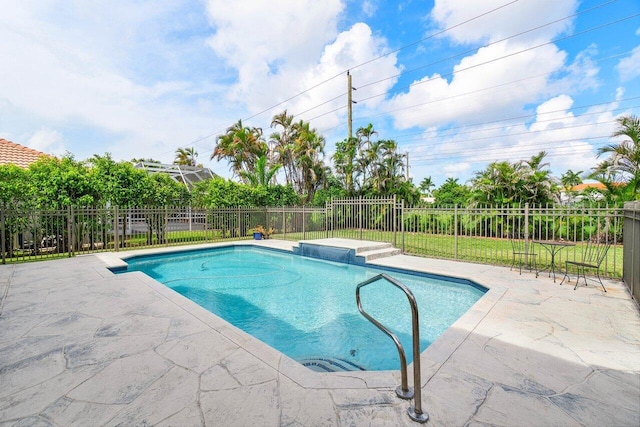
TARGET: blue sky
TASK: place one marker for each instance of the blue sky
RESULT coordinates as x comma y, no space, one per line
458,84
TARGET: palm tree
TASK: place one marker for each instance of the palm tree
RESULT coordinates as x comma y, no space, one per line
426,185
570,179
308,160
538,185
343,162
241,146
624,160
262,174
364,134
186,156
283,142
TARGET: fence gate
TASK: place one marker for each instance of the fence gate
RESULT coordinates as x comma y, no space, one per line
376,219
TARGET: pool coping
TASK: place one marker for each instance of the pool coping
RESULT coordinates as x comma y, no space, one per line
80,345
432,358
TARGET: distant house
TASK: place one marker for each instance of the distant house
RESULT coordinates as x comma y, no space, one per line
577,192
19,155
188,175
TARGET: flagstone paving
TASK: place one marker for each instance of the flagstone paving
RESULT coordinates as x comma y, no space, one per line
82,346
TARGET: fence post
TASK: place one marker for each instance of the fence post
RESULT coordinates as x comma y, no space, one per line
402,223
3,248
165,227
332,216
304,226
116,229
455,232
360,217
526,229
326,220
284,223
70,221
394,218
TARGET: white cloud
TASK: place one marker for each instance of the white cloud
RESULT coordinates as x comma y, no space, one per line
293,46
261,39
48,141
629,67
69,71
504,22
369,7
481,89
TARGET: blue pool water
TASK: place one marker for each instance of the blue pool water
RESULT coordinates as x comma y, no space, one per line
306,307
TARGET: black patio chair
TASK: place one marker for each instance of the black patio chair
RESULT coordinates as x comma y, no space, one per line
593,256
522,253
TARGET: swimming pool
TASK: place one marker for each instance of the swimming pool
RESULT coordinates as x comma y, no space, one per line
305,307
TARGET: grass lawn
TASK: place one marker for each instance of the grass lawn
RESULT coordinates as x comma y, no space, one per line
473,249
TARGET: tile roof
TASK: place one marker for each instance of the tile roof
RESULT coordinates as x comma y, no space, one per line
19,155
597,185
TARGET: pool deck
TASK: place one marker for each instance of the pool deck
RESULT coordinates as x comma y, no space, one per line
80,345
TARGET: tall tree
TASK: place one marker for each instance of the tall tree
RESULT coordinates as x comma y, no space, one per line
624,157
451,192
570,179
186,157
526,181
241,146
282,143
426,185
309,163
343,161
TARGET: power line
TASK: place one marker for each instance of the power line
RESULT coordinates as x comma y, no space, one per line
478,90
353,68
489,44
471,51
482,129
509,55
455,72
493,153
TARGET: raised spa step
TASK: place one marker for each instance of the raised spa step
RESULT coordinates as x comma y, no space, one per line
380,253
345,250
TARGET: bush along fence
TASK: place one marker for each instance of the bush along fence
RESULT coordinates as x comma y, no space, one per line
476,234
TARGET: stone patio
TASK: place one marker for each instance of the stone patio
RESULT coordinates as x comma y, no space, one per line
80,345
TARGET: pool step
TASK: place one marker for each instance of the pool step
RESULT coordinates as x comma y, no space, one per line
330,364
379,253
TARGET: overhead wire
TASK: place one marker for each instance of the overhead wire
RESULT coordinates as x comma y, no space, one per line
480,64
484,129
497,153
355,67
387,112
457,71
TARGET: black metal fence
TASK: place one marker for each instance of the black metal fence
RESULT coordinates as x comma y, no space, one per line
476,234
631,269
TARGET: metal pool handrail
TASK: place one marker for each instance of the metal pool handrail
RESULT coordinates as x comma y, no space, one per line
403,391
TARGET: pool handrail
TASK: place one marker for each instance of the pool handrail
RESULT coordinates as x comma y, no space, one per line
402,391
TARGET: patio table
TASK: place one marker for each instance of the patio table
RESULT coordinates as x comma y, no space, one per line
553,247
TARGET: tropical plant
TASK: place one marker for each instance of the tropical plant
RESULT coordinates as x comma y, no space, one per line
343,162
59,183
623,164
262,173
186,157
241,146
282,143
426,185
451,192
310,172
527,181
300,151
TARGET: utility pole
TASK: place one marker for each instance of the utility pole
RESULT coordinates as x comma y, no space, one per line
407,167
350,103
